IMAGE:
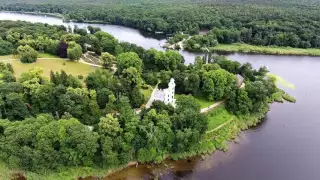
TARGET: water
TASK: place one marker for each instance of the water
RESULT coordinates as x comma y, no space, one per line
284,147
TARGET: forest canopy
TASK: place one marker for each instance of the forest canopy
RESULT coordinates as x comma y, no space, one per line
279,23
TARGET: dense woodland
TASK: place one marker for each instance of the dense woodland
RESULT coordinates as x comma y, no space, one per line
257,22
61,122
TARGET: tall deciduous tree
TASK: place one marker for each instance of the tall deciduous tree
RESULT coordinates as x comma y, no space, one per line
107,60
127,60
74,51
27,54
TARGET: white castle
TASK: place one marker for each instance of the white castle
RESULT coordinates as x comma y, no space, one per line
166,95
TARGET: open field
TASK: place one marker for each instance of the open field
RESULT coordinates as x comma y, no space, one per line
70,67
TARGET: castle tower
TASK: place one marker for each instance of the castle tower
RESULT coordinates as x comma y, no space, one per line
169,93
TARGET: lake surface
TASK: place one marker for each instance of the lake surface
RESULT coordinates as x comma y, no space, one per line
286,146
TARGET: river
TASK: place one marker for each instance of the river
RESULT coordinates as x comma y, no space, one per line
284,147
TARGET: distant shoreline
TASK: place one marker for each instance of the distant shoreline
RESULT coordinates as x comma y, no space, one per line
263,50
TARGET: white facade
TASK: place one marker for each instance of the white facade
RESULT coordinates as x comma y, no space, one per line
166,95
169,93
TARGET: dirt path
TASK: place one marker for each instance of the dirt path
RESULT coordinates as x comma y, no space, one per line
209,108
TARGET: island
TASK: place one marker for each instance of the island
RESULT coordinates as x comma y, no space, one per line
76,102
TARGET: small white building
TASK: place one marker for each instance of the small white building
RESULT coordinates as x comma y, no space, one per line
166,95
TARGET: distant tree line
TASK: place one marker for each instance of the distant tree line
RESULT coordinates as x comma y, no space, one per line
283,23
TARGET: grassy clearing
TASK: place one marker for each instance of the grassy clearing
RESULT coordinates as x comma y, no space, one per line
46,55
281,81
246,48
147,93
8,57
70,67
217,117
200,99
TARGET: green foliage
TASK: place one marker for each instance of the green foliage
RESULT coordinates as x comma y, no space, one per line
130,59
150,78
177,38
74,51
42,143
168,60
288,98
6,48
218,116
199,42
216,83
27,54
107,60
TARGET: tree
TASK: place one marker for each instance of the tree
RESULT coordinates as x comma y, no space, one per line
107,41
80,103
52,47
98,79
188,123
62,50
238,101
27,54
168,60
130,59
192,83
136,97
109,130
107,60
109,126
6,48
220,80
43,99
131,77
93,30
74,51
16,108
103,96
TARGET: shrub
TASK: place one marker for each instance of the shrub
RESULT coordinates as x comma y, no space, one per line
27,54
80,77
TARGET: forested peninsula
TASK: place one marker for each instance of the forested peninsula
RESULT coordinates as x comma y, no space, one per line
267,27
62,126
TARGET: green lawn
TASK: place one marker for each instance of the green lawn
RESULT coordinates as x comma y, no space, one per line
70,67
217,117
147,93
200,99
246,48
46,55
8,57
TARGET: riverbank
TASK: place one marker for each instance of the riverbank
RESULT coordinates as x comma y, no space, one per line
269,50
57,15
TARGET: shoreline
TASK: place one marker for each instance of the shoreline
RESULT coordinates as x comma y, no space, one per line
220,48
265,50
232,125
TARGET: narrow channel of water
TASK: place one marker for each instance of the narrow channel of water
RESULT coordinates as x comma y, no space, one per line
284,147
